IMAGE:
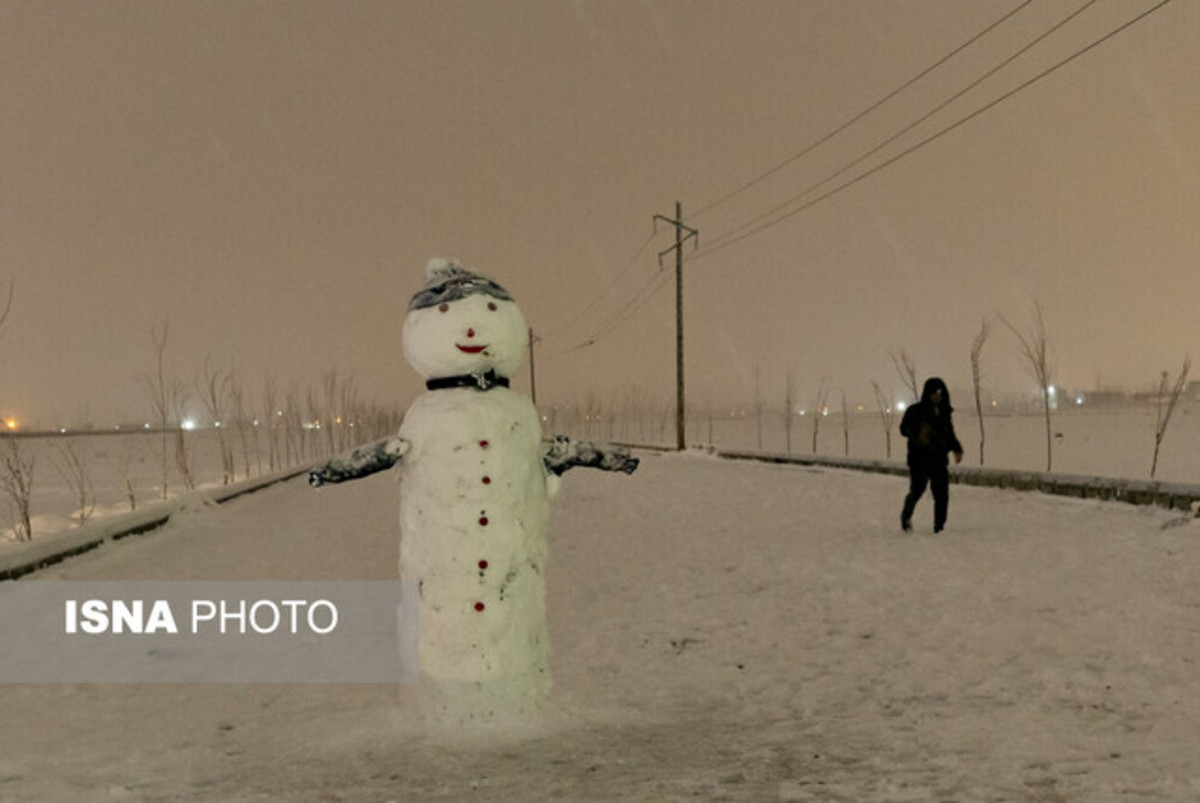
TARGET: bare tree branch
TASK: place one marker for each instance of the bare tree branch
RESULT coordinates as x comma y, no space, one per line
7,304
1166,406
887,414
1035,351
977,380
822,400
75,469
907,370
16,483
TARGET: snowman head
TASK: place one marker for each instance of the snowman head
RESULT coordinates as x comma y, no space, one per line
462,323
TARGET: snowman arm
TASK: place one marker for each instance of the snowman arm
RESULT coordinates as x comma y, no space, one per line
565,454
361,462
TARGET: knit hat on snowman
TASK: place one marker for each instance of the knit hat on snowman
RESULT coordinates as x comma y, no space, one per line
447,280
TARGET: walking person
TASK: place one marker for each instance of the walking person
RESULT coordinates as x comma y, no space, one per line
930,432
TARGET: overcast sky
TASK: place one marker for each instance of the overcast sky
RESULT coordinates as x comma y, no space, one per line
271,178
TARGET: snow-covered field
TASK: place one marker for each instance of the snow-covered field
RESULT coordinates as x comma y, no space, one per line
112,458
1116,442
721,631
1113,441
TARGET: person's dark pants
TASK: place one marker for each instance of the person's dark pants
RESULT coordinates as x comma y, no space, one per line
937,478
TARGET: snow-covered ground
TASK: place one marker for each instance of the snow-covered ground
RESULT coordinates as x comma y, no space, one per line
721,630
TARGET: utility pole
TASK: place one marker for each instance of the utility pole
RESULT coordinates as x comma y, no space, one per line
680,239
532,375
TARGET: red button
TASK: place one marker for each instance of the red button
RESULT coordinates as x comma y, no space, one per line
483,564
479,606
483,444
483,521
487,480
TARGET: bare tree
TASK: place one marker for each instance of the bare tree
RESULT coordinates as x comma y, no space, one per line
758,409
907,369
977,380
16,469
819,411
75,469
16,483
887,414
245,430
214,391
1035,350
160,391
789,404
1167,398
845,424
213,394
293,424
274,422
327,415
183,461
345,417
125,476
7,305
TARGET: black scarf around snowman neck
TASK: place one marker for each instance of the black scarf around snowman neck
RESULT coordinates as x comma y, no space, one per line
484,381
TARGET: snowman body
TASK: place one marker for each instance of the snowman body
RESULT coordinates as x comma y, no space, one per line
473,515
474,508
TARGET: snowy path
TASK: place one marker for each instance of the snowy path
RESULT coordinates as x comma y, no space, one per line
721,630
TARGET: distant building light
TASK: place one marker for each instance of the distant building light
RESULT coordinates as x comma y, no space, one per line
10,424
188,424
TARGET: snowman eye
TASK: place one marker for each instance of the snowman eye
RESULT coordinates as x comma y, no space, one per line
492,306
443,307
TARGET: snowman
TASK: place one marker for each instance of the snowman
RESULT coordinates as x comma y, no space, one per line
475,496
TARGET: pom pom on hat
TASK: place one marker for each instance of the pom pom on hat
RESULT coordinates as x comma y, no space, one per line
447,280
441,268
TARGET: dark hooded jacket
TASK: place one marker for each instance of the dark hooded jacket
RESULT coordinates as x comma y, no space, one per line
929,428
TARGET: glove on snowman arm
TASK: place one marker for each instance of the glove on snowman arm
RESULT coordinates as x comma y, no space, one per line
361,462
565,454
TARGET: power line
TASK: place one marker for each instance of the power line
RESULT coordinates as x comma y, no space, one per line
644,293
635,302
712,249
810,148
863,157
616,280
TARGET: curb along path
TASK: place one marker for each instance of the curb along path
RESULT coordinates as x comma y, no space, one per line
29,557
1171,495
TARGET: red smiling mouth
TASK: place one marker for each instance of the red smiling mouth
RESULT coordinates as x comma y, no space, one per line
470,349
